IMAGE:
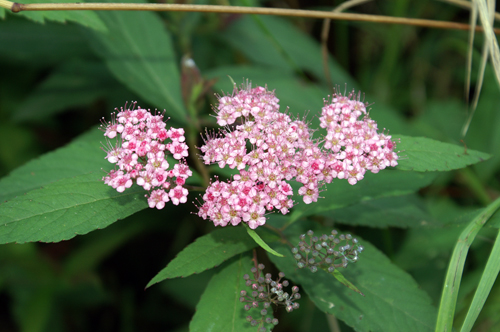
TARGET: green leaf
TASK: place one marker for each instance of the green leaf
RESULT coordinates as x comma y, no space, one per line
261,242
86,18
74,83
139,52
386,306
36,45
81,156
219,309
396,211
422,154
66,208
340,193
206,252
277,43
340,277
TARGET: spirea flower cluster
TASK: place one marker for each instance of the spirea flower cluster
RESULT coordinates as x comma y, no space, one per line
143,142
266,292
326,251
270,148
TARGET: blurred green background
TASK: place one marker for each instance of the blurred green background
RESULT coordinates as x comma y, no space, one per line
56,85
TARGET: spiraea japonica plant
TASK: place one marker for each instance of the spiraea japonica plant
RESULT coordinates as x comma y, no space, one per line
267,148
357,200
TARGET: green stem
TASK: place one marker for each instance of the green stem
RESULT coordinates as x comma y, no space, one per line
318,14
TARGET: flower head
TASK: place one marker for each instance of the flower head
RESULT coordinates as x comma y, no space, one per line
140,153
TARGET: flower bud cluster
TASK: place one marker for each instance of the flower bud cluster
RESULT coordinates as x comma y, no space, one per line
326,251
140,154
265,292
269,149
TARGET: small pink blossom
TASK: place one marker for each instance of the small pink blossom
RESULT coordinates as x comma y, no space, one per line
178,195
179,150
157,199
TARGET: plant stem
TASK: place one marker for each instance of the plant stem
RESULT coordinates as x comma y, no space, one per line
17,7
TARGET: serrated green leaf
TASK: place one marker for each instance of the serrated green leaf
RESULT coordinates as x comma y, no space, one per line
384,184
63,209
261,242
422,154
219,309
206,252
86,18
81,156
139,52
393,302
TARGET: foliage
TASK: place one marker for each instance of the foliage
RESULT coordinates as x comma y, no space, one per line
63,71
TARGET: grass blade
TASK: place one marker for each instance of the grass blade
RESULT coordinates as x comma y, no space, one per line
455,269
483,289
486,14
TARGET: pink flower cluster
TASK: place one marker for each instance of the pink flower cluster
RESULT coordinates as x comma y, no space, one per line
140,154
283,149
353,146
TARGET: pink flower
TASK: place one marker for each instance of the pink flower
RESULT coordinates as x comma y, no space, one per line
122,182
178,195
179,150
255,216
140,154
176,134
157,199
